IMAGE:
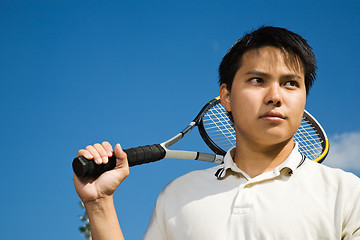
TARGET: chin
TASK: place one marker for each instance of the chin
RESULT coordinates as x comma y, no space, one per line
273,138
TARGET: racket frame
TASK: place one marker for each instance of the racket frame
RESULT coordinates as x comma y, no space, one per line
322,135
192,155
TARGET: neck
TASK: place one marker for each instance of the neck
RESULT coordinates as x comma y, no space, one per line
255,159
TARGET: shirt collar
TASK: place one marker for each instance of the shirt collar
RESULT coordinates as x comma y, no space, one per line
292,162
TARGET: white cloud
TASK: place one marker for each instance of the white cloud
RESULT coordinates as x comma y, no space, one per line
345,152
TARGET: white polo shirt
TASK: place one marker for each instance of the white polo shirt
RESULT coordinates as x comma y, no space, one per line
298,200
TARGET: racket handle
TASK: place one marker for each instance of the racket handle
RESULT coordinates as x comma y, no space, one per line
85,168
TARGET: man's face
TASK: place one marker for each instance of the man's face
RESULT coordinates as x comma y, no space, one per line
267,97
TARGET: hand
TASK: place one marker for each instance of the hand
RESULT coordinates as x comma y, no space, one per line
105,185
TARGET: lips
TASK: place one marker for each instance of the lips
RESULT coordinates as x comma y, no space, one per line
273,115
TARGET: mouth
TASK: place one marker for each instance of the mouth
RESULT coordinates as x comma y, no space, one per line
273,116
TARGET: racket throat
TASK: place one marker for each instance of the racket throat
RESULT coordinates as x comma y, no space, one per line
206,157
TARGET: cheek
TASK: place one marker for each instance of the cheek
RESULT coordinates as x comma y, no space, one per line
244,104
299,102
298,106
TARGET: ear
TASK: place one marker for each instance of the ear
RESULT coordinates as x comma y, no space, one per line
225,97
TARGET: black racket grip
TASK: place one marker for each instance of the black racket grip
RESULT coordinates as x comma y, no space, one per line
84,168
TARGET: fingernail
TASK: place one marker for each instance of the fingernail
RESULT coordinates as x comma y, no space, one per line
105,160
98,160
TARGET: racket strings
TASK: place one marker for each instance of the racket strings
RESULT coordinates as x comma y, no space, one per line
220,130
219,127
310,143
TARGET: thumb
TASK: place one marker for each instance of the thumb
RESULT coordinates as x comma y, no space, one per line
121,157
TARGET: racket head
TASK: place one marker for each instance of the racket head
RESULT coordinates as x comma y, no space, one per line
312,139
217,131
216,128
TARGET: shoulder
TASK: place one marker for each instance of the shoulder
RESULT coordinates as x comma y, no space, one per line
194,179
334,172
329,176
193,185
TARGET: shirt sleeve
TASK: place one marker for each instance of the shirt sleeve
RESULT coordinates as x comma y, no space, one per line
156,229
351,225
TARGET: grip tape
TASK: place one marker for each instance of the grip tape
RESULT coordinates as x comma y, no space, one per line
85,168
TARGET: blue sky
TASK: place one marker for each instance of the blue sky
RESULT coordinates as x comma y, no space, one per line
75,73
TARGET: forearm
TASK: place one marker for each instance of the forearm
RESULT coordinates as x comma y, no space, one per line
103,219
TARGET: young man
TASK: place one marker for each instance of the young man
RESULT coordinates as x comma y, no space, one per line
265,189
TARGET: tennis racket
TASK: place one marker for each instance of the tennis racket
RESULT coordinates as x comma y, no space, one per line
217,131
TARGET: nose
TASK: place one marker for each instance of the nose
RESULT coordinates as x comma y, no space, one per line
273,96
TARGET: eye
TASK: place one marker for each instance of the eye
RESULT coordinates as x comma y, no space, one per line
292,84
256,80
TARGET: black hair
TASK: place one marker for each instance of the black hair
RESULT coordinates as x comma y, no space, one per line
290,43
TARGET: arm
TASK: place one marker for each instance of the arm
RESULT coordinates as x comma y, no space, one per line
103,220
97,195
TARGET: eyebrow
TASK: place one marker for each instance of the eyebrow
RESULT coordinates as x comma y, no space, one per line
258,73
262,74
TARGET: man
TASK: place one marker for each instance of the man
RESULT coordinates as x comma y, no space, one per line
265,189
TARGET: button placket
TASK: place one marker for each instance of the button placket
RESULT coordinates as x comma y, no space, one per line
245,196
244,199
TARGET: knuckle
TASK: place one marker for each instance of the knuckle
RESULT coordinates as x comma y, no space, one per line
89,147
81,152
98,147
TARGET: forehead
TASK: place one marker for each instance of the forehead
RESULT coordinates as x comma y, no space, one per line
270,59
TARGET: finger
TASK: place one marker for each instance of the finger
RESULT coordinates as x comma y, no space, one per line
108,148
102,152
121,156
94,153
85,153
